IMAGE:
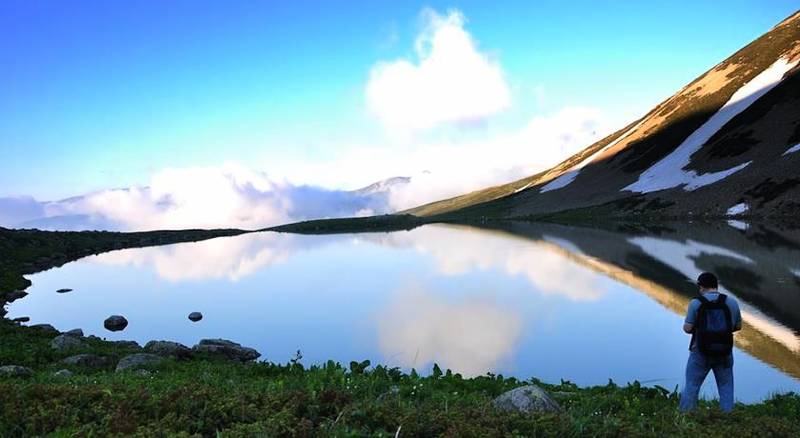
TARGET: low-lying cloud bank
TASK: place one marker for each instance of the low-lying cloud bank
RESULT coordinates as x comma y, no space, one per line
210,197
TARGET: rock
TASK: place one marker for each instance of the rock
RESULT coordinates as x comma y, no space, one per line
195,316
63,373
88,361
64,290
47,328
21,319
526,399
15,371
168,348
67,342
15,295
229,349
75,332
143,373
115,323
128,344
138,360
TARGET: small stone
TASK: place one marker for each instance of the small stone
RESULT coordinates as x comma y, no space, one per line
47,328
138,360
15,371
75,332
168,348
21,319
195,316
67,342
63,373
88,361
64,290
115,323
526,399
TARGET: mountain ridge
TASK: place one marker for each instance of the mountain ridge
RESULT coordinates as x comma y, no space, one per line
758,127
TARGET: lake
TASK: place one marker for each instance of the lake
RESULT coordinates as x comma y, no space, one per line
522,299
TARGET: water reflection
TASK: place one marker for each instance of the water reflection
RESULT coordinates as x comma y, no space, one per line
525,299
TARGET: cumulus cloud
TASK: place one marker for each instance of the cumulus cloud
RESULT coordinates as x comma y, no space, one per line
451,81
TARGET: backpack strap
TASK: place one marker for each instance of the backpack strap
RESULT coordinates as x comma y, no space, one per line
727,310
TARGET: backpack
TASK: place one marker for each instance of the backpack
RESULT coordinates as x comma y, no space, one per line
713,329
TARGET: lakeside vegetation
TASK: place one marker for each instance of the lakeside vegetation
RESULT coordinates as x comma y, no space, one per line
206,396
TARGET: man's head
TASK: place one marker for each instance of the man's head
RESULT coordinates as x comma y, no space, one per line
707,281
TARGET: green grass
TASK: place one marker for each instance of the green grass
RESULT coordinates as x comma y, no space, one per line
207,397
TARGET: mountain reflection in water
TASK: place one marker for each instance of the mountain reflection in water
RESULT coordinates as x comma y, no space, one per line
524,299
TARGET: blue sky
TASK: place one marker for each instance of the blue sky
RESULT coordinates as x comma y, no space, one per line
102,94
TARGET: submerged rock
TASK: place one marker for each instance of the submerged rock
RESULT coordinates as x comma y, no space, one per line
195,316
15,371
64,290
228,349
21,319
526,399
75,332
138,360
168,348
67,342
115,323
88,361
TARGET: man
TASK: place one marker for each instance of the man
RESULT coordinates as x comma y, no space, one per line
711,318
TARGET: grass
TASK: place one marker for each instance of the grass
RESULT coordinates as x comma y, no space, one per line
208,397
204,396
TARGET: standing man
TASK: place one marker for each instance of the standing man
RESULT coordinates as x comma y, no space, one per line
711,319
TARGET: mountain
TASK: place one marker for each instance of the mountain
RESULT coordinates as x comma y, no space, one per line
726,144
383,186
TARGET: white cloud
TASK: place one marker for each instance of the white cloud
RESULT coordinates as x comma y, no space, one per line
471,335
450,82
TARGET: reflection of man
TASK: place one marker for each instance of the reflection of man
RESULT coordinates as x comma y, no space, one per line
711,319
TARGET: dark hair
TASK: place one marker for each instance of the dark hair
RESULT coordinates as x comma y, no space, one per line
707,280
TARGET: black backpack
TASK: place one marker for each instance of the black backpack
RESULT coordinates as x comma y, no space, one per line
713,329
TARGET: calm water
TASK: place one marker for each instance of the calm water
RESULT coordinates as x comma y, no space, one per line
527,300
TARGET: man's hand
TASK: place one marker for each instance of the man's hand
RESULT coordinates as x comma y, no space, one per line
688,328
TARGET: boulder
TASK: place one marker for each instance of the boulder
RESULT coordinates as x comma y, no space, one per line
137,361
75,332
88,361
15,295
15,371
47,328
115,323
67,342
127,344
168,348
195,316
63,373
228,349
64,290
526,399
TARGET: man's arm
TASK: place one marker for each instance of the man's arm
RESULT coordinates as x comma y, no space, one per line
691,314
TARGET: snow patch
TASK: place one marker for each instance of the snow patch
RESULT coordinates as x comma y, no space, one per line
792,149
738,209
566,178
796,272
669,172
681,256
524,187
739,225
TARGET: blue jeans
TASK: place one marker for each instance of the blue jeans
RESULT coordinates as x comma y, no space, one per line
697,368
